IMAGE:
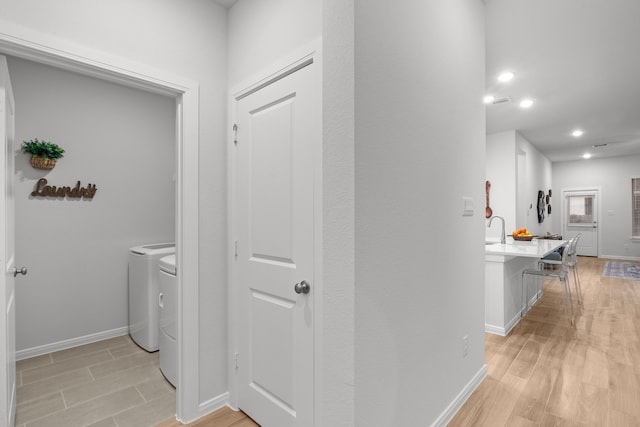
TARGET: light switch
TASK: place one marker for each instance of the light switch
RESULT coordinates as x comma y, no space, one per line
467,206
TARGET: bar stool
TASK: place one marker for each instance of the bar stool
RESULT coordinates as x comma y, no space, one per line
572,262
561,274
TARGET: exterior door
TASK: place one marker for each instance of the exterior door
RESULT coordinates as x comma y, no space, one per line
7,249
581,216
278,134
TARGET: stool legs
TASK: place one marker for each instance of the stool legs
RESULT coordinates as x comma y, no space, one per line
566,292
576,280
567,297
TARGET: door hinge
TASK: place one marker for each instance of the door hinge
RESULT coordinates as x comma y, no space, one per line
235,133
235,249
235,355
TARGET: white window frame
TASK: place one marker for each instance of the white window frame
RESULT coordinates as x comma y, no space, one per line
635,208
588,224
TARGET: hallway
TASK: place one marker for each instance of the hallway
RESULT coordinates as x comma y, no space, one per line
546,373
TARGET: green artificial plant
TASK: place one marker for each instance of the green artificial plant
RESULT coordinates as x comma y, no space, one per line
44,149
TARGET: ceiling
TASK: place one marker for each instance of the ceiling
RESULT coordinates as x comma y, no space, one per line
580,61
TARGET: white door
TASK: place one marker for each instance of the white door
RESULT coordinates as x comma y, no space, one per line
278,133
7,294
581,216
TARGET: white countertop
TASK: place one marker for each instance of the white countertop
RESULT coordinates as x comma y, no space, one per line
536,248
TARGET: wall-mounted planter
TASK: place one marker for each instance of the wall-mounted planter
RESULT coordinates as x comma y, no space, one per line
43,153
42,163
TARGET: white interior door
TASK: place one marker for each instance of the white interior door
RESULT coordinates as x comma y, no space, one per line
581,216
7,249
277,137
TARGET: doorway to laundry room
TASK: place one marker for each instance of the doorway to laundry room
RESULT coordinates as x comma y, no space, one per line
119,142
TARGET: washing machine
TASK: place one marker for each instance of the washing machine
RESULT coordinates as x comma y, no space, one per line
143,293
168,317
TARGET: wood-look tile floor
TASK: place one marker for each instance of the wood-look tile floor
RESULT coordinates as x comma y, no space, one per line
546,373
111,383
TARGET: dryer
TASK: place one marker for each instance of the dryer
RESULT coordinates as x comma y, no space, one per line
143,292
168,317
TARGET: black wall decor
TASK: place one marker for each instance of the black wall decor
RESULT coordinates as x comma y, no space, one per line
541,206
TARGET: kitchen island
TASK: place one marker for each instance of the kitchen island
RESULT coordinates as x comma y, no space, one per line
504,263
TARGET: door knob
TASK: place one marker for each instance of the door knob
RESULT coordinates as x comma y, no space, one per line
302,287
17,271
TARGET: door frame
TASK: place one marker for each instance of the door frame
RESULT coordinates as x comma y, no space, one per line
563,210
279,69
46,49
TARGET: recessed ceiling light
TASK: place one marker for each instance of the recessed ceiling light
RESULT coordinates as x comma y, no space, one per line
526,103
577,133
488,99
586,156
506,76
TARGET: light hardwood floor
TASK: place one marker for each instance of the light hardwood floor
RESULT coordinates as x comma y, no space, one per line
111,383
546,373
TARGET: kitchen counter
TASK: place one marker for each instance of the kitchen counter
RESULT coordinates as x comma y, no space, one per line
536,248
503,280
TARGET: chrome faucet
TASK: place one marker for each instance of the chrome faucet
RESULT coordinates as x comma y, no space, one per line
503,237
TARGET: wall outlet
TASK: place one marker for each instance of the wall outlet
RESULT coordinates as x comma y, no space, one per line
465,345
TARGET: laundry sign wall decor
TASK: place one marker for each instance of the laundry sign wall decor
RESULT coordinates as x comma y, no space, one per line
77,192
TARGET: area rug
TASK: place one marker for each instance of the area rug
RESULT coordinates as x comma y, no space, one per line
623,270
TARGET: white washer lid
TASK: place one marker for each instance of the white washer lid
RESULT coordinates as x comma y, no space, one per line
154,249
168,264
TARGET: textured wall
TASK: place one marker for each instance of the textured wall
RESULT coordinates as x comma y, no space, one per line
338,355
420,148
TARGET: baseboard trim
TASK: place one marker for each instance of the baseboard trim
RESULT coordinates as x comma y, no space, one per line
72,342
496,330
211,405
214,404
461,398
512,323
620,258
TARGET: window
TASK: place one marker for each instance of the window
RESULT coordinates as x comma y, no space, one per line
635,207
580,210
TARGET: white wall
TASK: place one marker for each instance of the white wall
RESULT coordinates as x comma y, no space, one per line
420,148
515,183
501,173
338,347
537,177
123,141
261,33
613,176
187,40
